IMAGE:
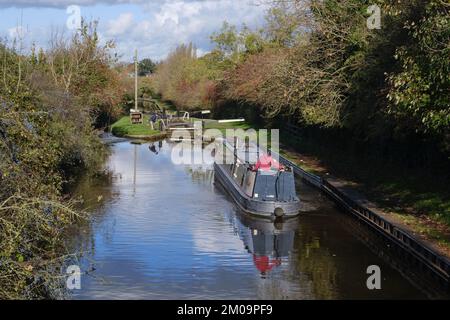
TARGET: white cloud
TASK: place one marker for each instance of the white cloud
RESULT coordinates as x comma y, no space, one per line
65,3
174,22
60,3
201,52
154,27
17,33
121,25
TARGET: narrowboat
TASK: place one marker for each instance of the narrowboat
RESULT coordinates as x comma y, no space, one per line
266,193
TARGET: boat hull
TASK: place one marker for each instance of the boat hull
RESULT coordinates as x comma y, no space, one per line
253,206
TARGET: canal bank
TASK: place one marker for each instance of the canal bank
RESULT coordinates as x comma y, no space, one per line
421,253
124,128
166,231
409,200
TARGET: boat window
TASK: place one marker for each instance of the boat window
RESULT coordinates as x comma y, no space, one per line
249,183
239,174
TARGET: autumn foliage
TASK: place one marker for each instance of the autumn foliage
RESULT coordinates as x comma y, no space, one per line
318,63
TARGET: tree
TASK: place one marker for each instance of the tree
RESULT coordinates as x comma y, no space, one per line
419,94
283,23
184,79
82,68
146,66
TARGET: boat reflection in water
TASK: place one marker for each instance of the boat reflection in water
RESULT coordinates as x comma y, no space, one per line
268,242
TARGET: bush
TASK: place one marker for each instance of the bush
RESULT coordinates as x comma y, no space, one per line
48,104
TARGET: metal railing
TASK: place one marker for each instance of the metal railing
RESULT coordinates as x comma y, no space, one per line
309,177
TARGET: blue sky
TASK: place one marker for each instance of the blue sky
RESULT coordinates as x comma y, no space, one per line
154,26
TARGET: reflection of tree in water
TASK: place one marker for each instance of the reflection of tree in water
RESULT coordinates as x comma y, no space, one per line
316,263
283,287
92,193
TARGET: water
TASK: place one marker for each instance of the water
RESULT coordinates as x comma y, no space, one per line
165,231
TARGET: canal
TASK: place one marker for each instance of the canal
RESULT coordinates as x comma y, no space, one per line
166,231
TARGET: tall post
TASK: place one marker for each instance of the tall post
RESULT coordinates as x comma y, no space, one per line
136,80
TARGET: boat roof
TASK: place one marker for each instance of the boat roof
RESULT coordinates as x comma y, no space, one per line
252,152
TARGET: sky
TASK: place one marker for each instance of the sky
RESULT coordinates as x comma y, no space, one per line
154,27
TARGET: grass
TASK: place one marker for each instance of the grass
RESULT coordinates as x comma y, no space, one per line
228,125
123,127
410,194
213,124
308,167
429,230
418,202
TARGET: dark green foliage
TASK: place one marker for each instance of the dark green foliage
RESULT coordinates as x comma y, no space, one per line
146,66
420,91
